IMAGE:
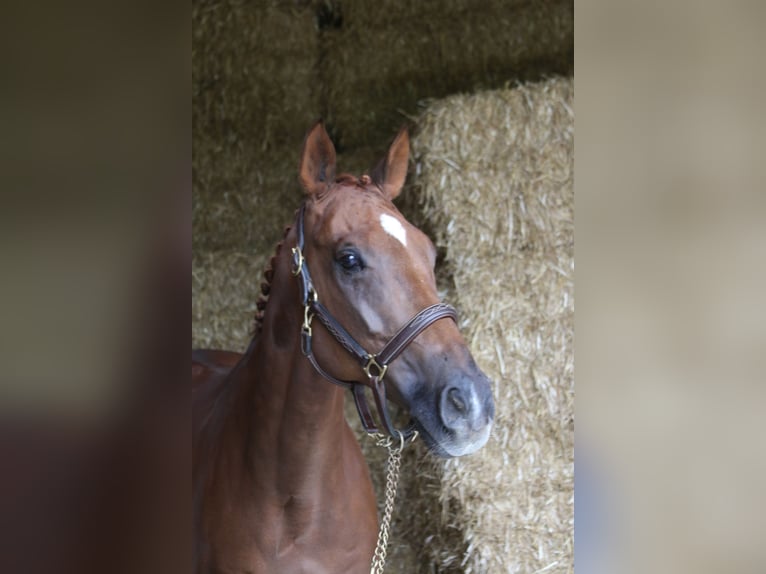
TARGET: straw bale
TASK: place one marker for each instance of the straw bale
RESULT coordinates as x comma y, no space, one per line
245,203
385,57
254,91
225,285
495,175
253,71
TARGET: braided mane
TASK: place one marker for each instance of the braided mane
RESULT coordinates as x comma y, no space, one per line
268,275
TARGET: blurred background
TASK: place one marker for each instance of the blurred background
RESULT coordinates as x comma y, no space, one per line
95,255
670,237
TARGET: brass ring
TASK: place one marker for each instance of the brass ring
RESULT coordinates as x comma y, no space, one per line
297,261
381,370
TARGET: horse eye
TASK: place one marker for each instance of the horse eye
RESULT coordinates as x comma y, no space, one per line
350,261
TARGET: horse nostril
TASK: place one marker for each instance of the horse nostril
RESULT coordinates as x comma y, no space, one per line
456,398
460,409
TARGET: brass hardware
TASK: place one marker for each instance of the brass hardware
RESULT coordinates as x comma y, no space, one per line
380,370
307,317
392,478
297,261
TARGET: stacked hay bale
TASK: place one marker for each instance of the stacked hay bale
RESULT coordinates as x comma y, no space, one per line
254,92
495,174
224,290
264,70
381,58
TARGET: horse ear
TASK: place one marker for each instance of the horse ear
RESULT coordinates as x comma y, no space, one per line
317,169
391,172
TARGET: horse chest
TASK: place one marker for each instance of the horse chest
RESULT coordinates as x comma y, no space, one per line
263,540
331,527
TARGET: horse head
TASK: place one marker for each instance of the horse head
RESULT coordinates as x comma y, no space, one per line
373,271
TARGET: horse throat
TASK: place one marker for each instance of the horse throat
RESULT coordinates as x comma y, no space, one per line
296,418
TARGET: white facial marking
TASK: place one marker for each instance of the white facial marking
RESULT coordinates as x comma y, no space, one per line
393,227
372,318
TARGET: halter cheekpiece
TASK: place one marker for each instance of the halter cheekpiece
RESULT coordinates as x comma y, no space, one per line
373,365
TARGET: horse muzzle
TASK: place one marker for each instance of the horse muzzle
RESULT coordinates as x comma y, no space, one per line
456,418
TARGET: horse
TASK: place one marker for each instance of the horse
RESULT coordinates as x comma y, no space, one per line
279,481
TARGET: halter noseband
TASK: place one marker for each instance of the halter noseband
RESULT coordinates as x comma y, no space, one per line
374,366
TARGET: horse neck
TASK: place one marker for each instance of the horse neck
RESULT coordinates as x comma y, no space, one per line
293,417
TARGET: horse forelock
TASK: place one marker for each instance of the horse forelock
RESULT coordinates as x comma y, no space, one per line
347,179
361,183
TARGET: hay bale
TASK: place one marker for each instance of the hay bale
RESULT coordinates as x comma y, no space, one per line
264,70
225,285
495,175
253,72
382,58
245,203
254,91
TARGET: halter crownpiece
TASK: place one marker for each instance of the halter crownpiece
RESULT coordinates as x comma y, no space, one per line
373,365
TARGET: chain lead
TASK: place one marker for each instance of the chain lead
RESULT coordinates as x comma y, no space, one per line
392,479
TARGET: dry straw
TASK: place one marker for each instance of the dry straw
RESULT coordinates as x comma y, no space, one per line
254,71
254,91
386,56
225,285
495,174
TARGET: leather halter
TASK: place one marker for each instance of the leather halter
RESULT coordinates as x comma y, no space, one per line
373,365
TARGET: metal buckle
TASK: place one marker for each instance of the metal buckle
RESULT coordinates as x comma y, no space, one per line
388,441
380,370
307,314
307,317
297,261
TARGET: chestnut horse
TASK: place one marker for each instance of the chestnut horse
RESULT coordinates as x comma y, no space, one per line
280,484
